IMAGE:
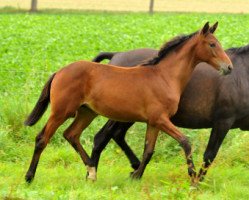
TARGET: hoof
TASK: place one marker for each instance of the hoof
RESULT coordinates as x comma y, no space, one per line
194,182
29,177
201,178
135,175
192,172
91,173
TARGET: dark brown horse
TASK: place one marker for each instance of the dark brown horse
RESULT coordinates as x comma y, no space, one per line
82,89
209,101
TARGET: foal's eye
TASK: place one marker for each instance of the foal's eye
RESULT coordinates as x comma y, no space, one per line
212,45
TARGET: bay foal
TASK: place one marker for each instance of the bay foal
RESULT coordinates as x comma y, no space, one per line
147,94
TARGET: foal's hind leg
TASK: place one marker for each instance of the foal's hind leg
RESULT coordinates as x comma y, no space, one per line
41,142
83,118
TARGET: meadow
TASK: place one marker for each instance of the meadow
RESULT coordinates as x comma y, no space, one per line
32,47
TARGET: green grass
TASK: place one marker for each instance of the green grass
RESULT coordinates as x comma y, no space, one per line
34,46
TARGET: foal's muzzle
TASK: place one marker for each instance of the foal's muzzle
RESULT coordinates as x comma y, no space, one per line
226,68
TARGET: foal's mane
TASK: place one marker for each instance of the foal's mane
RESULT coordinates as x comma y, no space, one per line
168,47
239,50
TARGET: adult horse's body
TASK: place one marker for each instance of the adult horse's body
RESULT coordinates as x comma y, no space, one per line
88,89
208,101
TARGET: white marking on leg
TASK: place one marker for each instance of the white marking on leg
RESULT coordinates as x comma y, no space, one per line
91,173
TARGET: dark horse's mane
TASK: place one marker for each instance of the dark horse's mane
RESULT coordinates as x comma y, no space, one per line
168,47
239,50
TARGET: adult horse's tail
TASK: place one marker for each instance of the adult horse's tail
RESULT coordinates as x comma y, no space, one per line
103,55
41,104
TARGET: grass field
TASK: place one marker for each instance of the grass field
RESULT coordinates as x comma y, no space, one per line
34,46
210,6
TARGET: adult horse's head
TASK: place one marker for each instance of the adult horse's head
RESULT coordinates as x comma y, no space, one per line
209,49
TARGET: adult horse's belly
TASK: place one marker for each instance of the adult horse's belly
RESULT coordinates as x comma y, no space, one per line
197,102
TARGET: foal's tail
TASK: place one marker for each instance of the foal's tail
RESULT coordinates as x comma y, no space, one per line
41,104
104,55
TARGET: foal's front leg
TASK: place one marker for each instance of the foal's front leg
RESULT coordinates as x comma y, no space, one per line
164,124
150,141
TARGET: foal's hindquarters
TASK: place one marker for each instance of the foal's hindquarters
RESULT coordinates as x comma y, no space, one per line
65,103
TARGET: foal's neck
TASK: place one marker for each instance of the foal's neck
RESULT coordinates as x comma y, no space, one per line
179,65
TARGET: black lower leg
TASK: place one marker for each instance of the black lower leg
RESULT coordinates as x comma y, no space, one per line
39,146
119,138
217,136
101,139
150,142
188,153
138,173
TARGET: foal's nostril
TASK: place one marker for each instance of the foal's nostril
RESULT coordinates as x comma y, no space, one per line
230,67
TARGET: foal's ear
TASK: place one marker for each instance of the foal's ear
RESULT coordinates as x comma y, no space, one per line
213,28
205,29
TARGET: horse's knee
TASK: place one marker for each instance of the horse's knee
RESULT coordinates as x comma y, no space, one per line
40,143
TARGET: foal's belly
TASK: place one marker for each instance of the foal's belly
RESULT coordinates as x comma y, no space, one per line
121,112
117,106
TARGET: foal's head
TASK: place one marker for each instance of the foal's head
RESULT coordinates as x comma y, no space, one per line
208,49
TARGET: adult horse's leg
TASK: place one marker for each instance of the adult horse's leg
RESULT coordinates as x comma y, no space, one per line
218,133
101,139
119,138
117,131
150,142
42,140
83,118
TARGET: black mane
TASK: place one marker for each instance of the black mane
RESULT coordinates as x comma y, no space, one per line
238,50
169,47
